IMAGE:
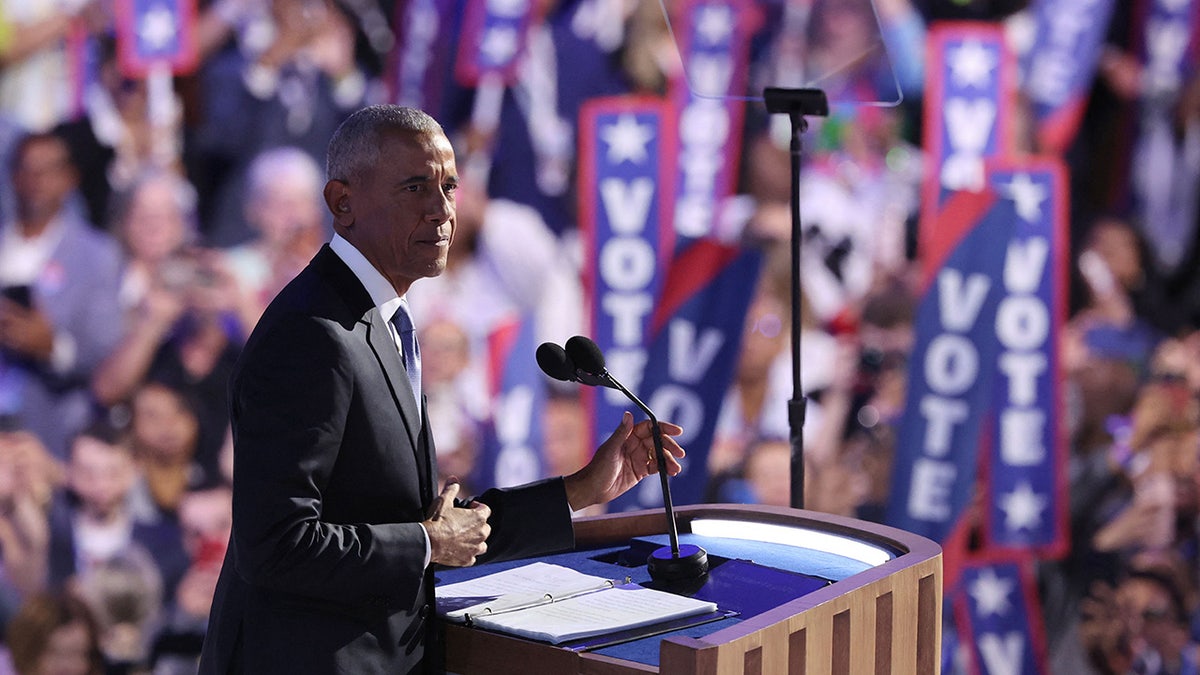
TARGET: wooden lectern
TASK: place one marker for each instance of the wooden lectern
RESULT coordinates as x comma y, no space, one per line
885,619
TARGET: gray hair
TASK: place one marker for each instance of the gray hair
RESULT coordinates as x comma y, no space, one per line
282,163
182,192
355,145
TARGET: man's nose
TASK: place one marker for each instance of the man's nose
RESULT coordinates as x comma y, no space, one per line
441,207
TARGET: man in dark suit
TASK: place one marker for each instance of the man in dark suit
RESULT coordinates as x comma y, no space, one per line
336,516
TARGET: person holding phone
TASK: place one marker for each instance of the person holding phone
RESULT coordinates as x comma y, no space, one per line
59,314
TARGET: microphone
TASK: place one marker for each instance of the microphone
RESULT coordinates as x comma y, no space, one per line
553,361
667,564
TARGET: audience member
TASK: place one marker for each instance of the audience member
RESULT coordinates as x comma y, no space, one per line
100,521
755,404
206,517
564,433
768,472
456,402
59,315
288,80
29,477
41,49
1143,624
125,595
55,633
154,220
164,432
289,224
185,334
121,132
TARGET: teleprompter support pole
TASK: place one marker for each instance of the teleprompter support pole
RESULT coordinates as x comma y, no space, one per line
797,104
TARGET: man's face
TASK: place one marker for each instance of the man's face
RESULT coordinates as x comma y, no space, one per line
401,213
285,209
155,227
43,178
163,426
100,475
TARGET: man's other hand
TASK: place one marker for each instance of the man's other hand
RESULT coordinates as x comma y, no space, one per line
457,535
622,461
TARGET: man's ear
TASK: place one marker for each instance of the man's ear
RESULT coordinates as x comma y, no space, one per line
337,200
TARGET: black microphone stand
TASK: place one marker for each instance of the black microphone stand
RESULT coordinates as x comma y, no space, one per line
796,103
675,564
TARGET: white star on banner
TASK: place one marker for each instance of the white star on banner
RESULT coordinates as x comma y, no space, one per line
971,64
627,140
158,27
714,24
1022,507
1028,196
499,44
991,593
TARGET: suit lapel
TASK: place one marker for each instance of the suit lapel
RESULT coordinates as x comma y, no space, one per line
393,369
386,354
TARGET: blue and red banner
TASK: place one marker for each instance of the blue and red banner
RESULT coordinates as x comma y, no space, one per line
1061,64
511,451
985,384
696,337
418,67
625,199
492,40
968,113
1169,45
1027,486
996,611
151,32
950,376
714,41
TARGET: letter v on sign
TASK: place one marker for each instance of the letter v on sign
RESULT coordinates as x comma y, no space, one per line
959,301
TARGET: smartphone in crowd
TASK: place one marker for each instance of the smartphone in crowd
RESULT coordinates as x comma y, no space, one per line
22,295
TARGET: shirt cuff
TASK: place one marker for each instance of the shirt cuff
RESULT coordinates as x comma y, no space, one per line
428,546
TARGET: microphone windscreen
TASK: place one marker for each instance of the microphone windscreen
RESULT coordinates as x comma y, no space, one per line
553,361
585,354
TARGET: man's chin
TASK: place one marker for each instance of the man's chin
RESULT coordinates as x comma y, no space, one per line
435,269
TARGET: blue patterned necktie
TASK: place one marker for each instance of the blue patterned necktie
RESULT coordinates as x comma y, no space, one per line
409,349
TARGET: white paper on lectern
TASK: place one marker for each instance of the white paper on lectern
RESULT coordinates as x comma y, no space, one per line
533,584
616,609
556,604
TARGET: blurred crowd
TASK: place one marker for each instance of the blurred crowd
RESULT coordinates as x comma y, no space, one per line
145,223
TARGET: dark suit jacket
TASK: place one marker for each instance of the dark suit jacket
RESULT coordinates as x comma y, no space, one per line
332,475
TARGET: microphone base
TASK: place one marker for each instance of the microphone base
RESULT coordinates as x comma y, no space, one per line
691,564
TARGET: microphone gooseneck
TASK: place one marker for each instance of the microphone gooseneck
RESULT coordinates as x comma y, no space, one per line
665,565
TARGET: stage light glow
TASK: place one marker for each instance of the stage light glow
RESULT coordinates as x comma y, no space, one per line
801,537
